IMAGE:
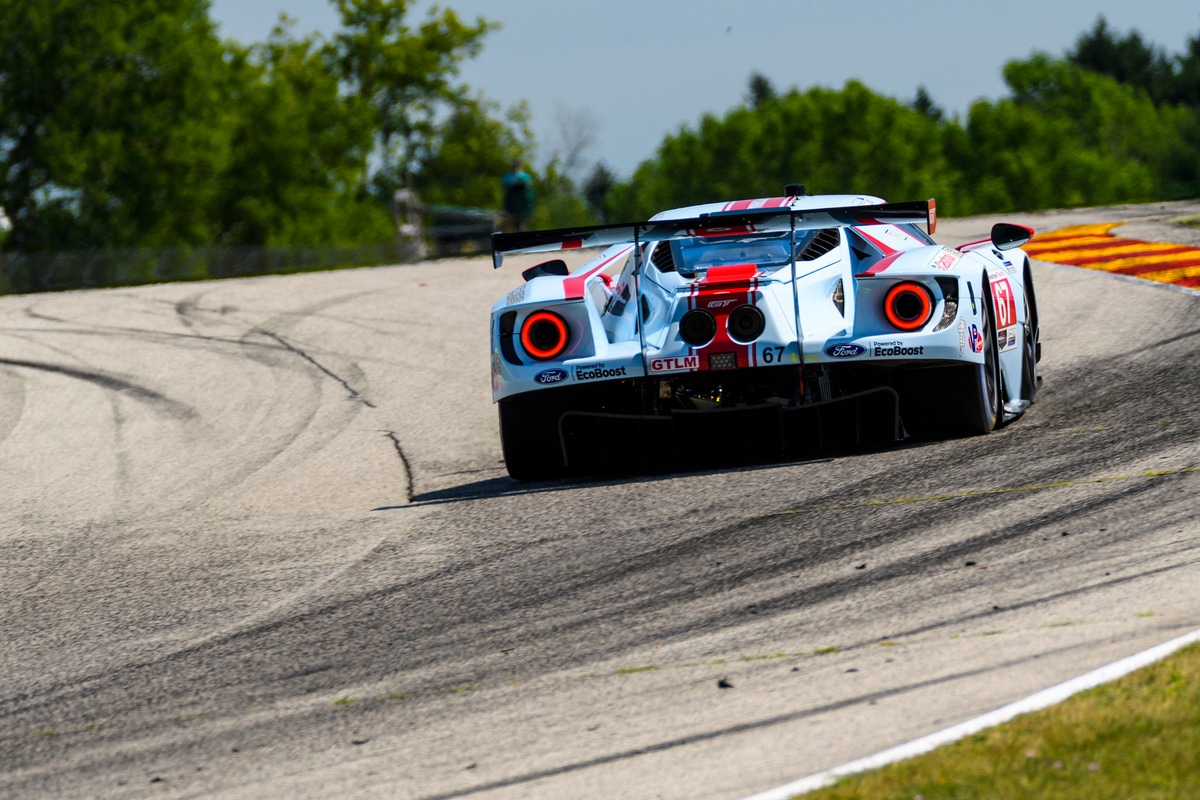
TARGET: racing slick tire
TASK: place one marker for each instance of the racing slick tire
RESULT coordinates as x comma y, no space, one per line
529,438
971,400
1030,362
1032,352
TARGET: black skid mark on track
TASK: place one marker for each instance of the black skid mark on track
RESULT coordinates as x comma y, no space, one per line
189,311
291,348
184,310
29,312
123,331
896,526
355,395
409,491
112,383
732,730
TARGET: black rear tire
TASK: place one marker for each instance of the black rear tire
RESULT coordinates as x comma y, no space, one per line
1031,299
981,408
1029,354
529,438
965,400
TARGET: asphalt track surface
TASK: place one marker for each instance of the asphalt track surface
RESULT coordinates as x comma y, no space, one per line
258,541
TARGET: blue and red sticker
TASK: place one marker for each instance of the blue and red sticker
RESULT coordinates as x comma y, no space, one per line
975,339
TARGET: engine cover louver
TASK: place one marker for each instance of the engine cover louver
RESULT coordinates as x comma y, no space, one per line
825,240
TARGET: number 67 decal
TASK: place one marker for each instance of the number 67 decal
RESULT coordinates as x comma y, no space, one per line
1006,304
772,355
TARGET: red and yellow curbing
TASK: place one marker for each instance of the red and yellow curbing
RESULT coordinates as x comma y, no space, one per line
1093,247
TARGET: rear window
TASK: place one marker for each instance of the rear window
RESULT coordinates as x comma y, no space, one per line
695,256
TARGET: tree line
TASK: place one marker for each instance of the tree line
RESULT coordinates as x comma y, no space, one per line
133,124
1114,120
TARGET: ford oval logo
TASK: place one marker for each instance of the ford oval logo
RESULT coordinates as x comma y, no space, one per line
844,350
551,376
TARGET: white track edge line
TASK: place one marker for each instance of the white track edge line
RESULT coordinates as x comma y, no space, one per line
1035,702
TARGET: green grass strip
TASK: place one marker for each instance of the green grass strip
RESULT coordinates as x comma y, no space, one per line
1136,737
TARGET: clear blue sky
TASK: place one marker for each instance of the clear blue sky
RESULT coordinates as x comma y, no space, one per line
640,69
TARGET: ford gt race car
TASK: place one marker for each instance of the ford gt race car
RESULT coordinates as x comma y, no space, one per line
758,329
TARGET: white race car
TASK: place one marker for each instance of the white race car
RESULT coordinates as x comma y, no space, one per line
758,329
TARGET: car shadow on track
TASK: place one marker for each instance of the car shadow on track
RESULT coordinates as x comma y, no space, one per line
500,487
504,486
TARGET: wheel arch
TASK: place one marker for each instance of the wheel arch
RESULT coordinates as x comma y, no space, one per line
1035,320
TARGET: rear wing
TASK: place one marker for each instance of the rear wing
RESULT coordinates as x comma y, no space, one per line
718,223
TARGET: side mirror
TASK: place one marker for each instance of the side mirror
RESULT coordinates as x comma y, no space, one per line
555,267
1006,235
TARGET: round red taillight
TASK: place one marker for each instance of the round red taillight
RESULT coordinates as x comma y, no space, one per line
544,335
908,306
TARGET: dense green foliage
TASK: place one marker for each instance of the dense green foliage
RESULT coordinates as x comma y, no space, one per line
132,124
848,140
1070,137
467,153
111,121
297,153
1173,79
404,76
1116,121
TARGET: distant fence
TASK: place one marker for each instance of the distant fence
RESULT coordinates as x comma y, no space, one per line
89,269
423,232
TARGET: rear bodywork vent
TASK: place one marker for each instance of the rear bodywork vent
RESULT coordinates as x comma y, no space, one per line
825,240
663,258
